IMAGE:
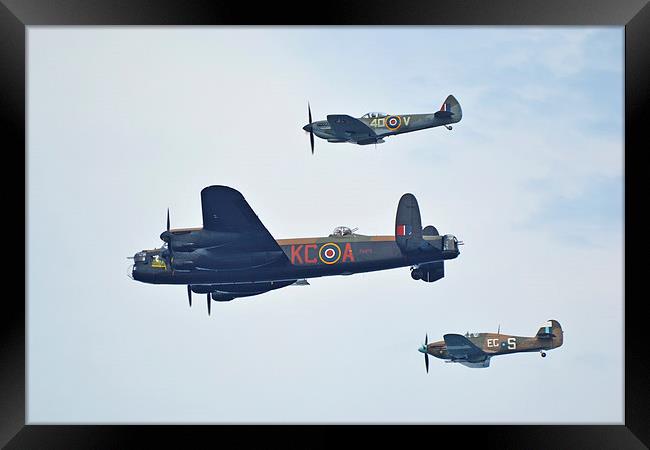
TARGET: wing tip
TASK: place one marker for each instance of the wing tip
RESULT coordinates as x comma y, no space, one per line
219,188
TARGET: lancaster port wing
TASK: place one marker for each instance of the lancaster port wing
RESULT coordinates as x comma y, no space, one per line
225,210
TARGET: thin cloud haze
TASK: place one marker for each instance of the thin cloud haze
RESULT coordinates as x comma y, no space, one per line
126,122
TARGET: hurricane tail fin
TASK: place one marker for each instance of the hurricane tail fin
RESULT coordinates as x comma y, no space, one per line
551,330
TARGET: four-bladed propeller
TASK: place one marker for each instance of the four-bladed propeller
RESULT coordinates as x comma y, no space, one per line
311,131
171,260
169,244
189,298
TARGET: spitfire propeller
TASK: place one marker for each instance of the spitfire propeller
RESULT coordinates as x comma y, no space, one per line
311,130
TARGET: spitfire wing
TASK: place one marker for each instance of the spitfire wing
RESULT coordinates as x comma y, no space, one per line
225,210
459,347
348,127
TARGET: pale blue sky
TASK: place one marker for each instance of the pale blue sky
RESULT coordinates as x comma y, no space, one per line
125,122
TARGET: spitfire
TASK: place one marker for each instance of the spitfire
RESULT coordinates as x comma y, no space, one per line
234,255
475,349
373,127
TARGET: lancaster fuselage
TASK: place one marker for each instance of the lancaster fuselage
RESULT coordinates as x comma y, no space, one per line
195,263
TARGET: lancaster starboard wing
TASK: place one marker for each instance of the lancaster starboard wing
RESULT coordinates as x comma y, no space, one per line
347,126
225,210
459,347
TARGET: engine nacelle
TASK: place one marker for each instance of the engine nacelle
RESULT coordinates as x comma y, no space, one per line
221,297
182,263
184,246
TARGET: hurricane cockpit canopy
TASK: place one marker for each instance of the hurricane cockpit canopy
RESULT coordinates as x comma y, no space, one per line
373,115
343,231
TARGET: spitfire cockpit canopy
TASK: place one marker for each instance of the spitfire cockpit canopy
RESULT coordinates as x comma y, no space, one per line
343,231
373,115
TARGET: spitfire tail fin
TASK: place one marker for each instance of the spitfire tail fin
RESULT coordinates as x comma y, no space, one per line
450,110
552,330
408,225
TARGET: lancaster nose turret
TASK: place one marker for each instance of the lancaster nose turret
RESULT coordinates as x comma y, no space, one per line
139,259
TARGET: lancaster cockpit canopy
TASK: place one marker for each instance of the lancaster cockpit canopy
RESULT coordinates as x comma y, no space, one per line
373,115
343,231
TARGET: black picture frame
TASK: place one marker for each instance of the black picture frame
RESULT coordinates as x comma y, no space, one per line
634,15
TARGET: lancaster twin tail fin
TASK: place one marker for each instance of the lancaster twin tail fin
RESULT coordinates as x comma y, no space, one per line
408,225
409,237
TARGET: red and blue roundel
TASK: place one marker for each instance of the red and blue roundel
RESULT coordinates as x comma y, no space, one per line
393,122
329,253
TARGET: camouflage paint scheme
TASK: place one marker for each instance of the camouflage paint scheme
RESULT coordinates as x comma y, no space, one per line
371,128
475,349
235,256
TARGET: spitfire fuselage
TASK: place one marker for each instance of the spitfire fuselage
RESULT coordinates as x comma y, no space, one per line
372,127
382,127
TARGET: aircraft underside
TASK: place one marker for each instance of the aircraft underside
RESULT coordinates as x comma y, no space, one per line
290,272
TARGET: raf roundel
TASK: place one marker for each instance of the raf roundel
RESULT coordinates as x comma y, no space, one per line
393,122
329,253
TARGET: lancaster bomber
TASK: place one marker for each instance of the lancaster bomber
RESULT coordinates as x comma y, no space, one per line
373,127
475,350
234,255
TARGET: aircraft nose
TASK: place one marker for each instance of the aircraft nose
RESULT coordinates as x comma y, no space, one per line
422,349
307,127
